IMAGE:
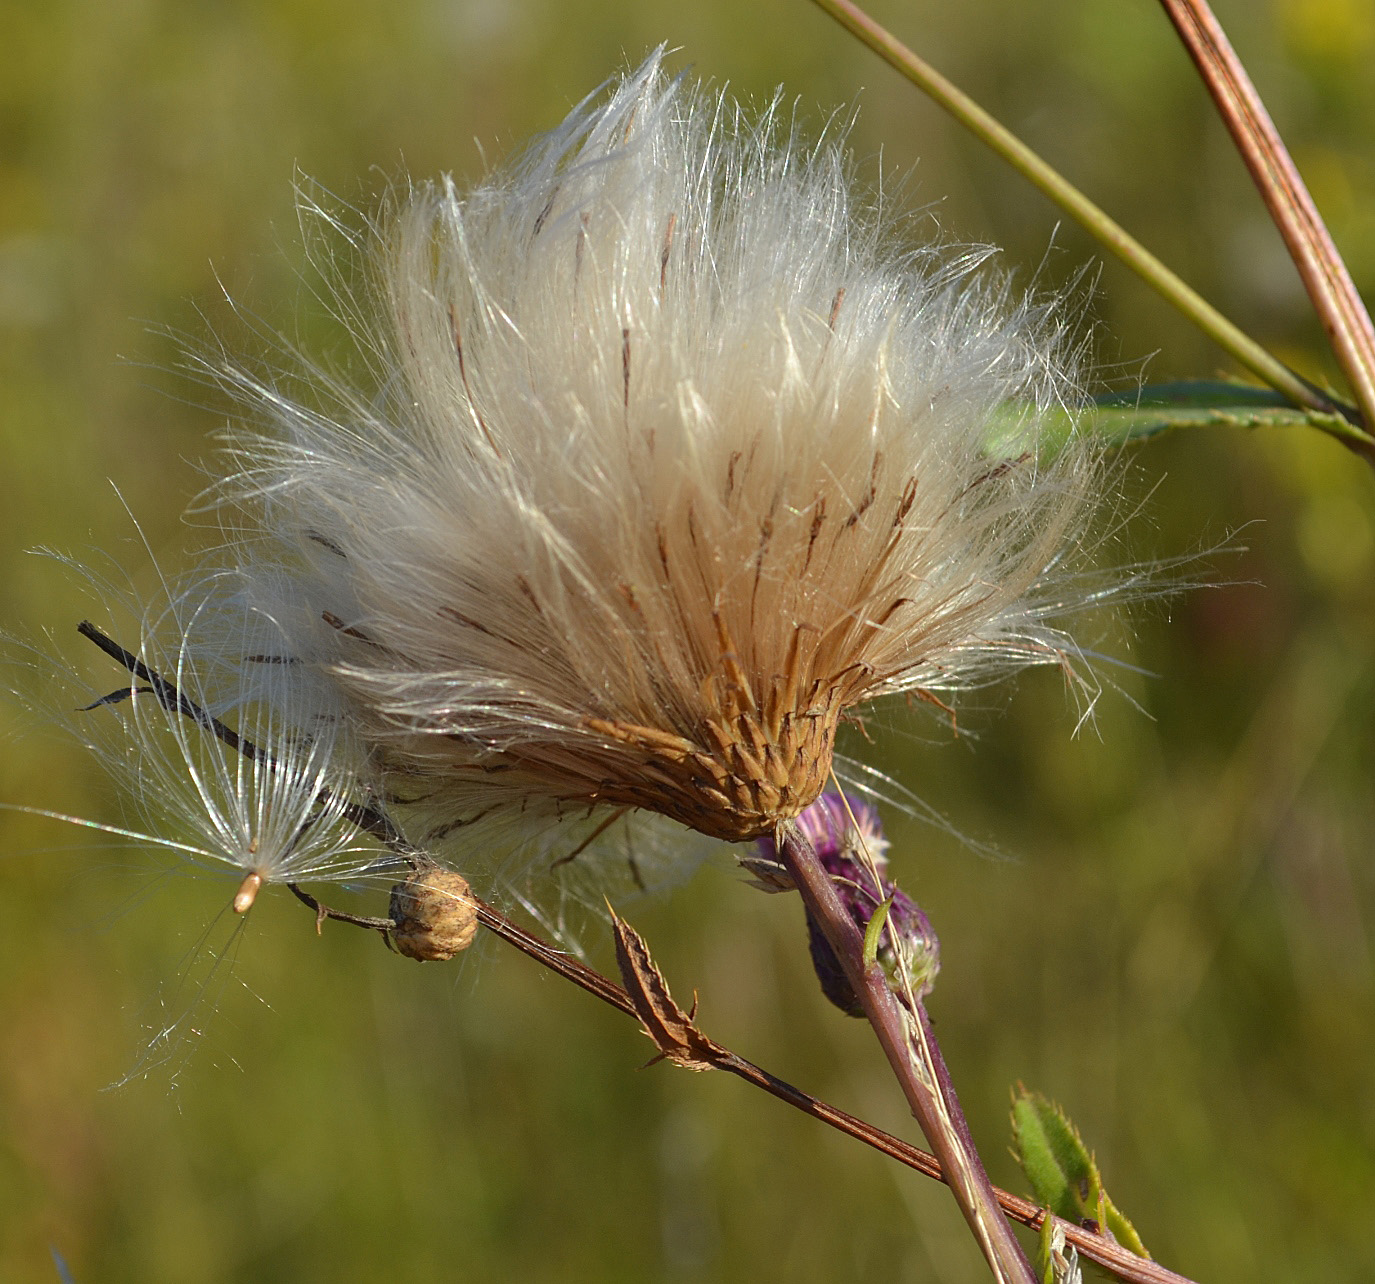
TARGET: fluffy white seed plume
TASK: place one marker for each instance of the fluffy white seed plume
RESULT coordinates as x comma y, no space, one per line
270,795
674,457
268,798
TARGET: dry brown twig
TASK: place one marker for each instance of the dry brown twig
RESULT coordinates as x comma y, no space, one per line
678,1039
647,998
674,1032
1344,317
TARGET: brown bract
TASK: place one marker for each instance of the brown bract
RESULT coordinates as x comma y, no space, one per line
756,761
670,1028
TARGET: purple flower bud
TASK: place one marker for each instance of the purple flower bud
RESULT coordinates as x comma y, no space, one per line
907,931
827,823
828,828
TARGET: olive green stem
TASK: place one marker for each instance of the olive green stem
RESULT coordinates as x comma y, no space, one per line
1078,206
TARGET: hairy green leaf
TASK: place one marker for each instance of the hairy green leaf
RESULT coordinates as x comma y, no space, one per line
1063,1174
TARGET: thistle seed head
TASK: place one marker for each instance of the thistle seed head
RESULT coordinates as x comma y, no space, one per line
673,455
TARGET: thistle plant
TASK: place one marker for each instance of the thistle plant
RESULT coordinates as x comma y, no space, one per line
663,454
673,462
673,456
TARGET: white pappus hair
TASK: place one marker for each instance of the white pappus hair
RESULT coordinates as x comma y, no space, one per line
271,794
270,798
674,458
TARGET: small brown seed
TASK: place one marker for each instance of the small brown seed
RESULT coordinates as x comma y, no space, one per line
247,893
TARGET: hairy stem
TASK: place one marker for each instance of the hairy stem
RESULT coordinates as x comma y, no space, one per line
910,1045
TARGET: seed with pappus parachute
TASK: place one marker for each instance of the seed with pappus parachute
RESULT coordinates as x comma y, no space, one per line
671,455
269,798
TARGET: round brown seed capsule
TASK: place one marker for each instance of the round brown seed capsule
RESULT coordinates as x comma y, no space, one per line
434,914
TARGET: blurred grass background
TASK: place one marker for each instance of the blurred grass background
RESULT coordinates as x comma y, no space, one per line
1181,950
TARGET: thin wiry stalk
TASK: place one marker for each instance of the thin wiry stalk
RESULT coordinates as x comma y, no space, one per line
1096,221
1098,1248
909,1044
171,699
1325,276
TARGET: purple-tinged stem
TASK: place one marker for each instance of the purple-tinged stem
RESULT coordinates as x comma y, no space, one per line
910,1045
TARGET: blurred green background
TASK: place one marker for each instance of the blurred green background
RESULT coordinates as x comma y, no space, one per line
1179,950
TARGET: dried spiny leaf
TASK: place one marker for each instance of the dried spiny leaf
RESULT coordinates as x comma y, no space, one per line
670,1028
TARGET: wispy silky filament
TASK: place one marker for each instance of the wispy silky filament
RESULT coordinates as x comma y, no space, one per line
268,798
673,454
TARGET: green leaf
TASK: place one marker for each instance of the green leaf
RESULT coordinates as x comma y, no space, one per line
1115,1223
874,929
1063,1174
1119,418
1123,417
1051,1154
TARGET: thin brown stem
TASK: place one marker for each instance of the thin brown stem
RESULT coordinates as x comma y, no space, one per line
909,1044
375,821
1123,1263
555,959
323,912
1325,276
170,697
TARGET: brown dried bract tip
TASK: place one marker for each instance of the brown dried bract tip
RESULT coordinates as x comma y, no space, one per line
434,913
670,1028
754,762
